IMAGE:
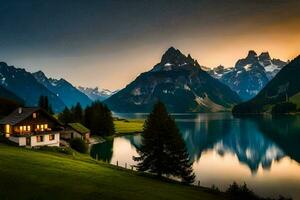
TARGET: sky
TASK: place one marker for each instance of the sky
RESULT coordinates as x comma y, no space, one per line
109,43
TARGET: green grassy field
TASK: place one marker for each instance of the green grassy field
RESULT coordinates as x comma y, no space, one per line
128,126
27,174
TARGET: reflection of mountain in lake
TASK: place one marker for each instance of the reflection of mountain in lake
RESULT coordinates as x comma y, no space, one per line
245,138
103,151
284,131
250,146
239,137
254,141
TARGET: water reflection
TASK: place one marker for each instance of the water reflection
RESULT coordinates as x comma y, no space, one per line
223,147
103,151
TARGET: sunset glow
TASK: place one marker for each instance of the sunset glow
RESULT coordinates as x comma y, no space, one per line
109,49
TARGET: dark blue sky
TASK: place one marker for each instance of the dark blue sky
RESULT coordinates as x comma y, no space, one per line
91,43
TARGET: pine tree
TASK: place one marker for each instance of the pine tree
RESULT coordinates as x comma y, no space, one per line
78,113
65,116
163,151
98,118
44,104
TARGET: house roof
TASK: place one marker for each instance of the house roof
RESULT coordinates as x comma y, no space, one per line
19,115
79,128
16,116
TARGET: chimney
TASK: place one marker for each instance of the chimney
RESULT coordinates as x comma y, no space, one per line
20,110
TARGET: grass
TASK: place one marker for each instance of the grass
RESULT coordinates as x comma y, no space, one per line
31,174
124,126
296,99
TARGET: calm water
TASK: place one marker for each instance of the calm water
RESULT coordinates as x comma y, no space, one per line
264,152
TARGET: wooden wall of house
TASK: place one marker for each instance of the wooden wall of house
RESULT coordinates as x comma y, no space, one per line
41,118
70,134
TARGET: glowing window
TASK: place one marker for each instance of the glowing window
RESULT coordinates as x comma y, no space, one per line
34,115
21,128
7,128
38,127
46,126
28,128
42,127
24,128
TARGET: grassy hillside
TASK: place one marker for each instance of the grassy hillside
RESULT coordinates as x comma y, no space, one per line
27,174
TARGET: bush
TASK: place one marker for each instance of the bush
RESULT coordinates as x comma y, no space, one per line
282,108
238,192
79,145
64,150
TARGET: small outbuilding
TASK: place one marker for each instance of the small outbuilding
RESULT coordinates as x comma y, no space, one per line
76,130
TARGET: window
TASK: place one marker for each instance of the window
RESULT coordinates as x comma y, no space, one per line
40,138
51,137
7,128
24,128
42,127
33,115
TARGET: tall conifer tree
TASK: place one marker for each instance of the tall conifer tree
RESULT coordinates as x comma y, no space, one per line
163,151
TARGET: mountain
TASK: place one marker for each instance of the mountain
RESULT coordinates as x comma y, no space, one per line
96,93
6,94
219,71
8,101
250,74
284,86
24,85
69,94
180,83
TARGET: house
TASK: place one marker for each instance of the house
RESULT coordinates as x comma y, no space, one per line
76,130
31,127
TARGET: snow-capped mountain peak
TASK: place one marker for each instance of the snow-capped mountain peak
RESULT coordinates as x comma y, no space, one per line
96,93
250,74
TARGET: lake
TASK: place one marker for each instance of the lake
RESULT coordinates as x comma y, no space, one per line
263,152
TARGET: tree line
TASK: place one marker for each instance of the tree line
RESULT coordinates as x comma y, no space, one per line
97,117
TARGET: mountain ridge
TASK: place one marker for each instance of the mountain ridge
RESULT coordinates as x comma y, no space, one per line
250,74
175,78
69,94
23,83
96,93
283,86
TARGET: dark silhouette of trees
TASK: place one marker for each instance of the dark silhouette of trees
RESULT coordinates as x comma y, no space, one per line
97,117
44,104
238,192
163,151
77,113
66,116
283,108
